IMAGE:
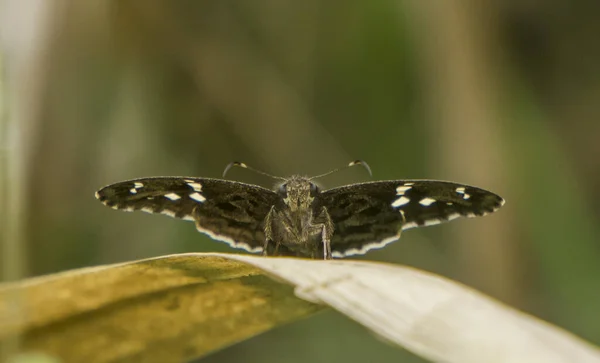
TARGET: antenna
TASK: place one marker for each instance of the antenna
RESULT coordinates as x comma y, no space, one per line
243,165
353,163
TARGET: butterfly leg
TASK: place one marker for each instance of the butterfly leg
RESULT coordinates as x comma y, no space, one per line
326,233
269,231
403,223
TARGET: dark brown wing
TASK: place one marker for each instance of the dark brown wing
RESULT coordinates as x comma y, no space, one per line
371,215
227,211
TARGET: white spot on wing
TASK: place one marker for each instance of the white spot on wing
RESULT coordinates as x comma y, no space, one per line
409,184
466,196
453,216
229,241
426,202
147,210
138,185
403,189
365,248
460,190
169,213
409,225
197,197
196,186
172,196
400,202
432,222
133,191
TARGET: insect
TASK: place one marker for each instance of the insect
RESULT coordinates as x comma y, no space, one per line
297,218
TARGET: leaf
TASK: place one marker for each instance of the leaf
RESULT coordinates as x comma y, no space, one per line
435,318
167,309
178,307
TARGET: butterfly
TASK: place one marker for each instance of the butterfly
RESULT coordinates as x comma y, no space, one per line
297,218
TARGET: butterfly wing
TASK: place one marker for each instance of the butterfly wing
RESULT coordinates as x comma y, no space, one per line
371,215
227,211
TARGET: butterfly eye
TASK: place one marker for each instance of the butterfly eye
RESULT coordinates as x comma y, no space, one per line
283,188
313,188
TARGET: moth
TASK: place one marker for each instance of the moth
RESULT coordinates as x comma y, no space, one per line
297,218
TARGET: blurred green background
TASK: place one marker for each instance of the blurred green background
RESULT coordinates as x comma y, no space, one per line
505,96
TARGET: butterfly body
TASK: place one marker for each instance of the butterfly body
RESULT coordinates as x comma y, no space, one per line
300,225
297,218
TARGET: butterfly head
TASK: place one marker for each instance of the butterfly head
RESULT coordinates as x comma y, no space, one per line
298,192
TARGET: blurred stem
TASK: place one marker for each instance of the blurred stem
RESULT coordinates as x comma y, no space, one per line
466,131
9,216
560,221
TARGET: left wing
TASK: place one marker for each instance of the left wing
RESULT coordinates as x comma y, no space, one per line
227,211
371,215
